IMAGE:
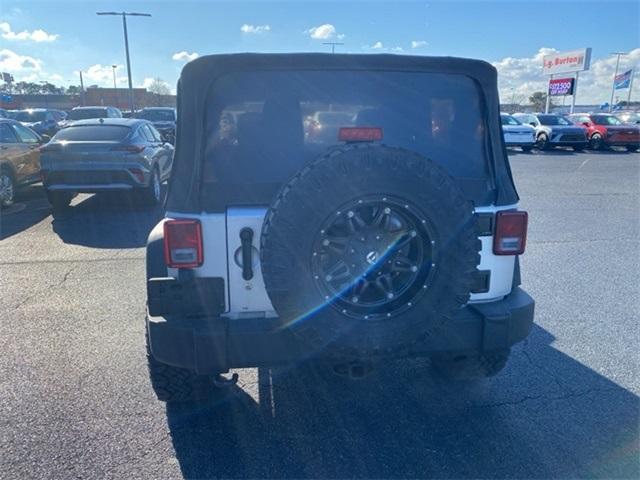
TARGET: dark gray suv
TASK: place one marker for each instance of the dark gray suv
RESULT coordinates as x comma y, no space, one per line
102,155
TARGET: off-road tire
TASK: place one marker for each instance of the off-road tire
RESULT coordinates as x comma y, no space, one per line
8,182
316,194
469,367
59,200
174,384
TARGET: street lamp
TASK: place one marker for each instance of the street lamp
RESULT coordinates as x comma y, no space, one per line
613,83
115,87
114,75
124,16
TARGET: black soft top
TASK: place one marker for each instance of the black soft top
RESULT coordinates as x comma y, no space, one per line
199,75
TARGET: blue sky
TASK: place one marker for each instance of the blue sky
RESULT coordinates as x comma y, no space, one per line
508,34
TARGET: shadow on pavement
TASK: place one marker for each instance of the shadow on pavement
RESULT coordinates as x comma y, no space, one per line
545,416
30,208
106,221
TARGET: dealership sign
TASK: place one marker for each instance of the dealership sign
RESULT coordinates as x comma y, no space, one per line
561,86
566,62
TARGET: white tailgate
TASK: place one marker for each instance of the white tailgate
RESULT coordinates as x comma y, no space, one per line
246,295
501,266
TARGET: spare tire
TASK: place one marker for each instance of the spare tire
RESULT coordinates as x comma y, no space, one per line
368,249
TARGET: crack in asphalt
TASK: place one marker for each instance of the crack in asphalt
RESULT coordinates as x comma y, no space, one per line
87,260
594,240
527,398
50,286
527,355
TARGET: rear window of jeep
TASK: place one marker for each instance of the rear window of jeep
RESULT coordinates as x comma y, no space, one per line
262,127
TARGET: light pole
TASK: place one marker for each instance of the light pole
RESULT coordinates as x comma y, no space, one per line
333,45
124,16
115,87
114,75
613,83
46,94
81,89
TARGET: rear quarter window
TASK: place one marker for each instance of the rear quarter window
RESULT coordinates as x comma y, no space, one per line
93,133
264,126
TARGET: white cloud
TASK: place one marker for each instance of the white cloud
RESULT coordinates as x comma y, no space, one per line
397,49
37,35
324,32
103,74
377,46
185,56
520,77
247,28
418,43
14,63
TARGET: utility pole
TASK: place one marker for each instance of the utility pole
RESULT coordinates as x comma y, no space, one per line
613,83
333,45
124,16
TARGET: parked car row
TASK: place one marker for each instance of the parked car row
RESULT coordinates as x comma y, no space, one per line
577,131
88,156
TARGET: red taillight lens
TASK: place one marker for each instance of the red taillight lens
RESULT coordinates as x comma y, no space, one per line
510,236
359,134
128,148
183,243
139,174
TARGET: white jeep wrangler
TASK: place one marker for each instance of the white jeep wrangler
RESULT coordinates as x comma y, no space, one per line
389,229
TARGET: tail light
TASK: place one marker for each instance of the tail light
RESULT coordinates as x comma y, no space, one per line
139,174
128,148
183,243
359,134
510,234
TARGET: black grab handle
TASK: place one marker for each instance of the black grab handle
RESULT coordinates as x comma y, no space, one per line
246,238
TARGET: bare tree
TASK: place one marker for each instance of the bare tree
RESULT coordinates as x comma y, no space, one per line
159,87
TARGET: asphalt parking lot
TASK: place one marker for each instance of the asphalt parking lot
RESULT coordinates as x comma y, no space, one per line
75,401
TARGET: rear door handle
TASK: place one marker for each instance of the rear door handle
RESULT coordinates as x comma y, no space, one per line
246,238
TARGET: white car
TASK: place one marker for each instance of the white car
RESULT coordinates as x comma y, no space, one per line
517,134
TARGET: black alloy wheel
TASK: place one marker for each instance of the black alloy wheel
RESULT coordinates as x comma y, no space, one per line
374,257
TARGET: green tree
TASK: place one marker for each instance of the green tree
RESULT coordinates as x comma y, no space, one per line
73,90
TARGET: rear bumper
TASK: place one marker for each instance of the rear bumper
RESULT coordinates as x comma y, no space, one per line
622,142
216,344
96,180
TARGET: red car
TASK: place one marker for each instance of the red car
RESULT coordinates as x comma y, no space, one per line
605,130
